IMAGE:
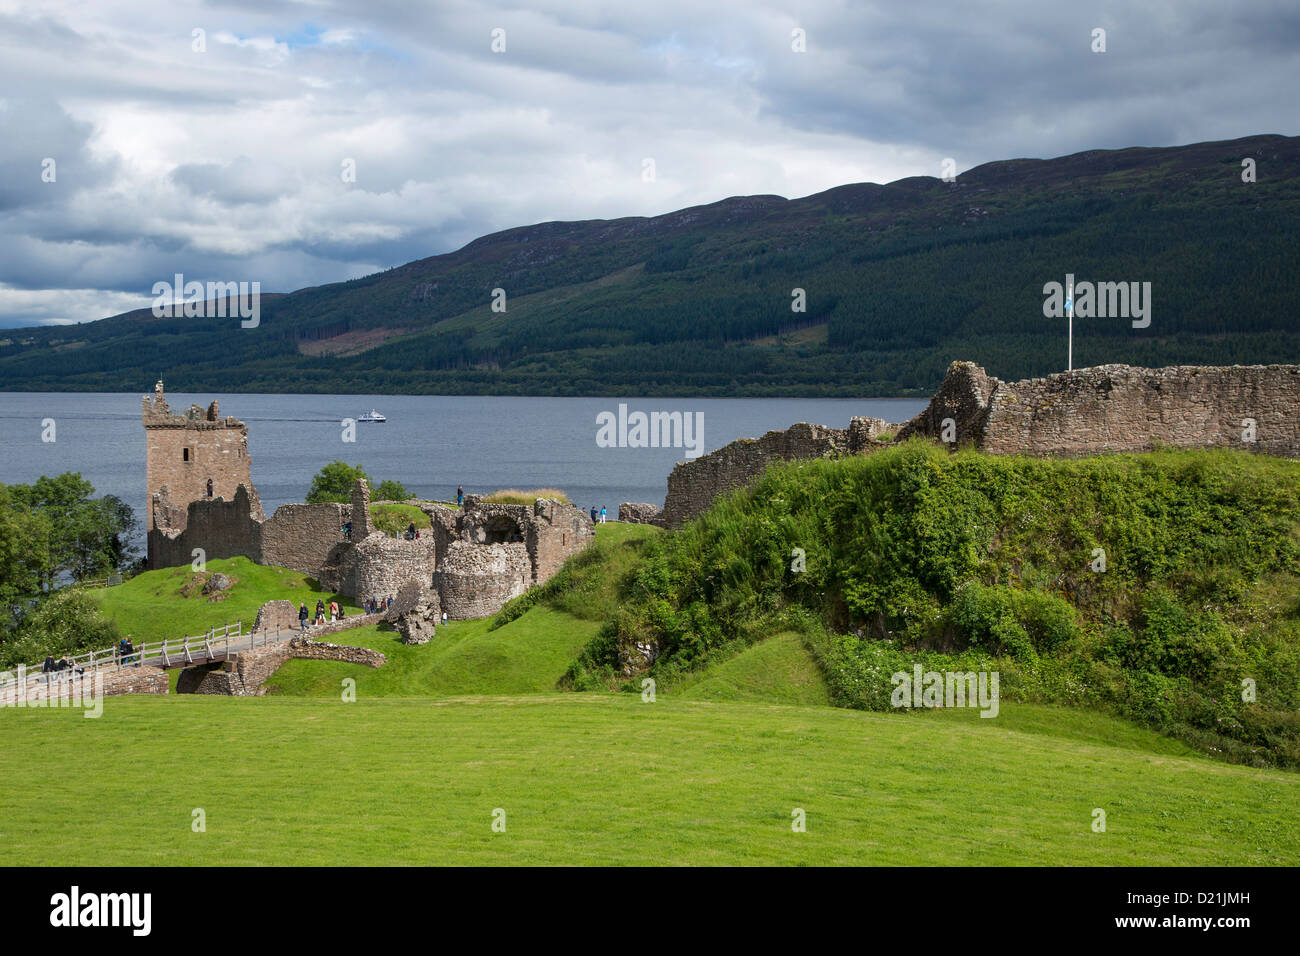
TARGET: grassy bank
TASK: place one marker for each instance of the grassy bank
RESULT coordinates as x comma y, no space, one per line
1164,588
170,602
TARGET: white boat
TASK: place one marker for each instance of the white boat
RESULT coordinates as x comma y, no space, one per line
372,416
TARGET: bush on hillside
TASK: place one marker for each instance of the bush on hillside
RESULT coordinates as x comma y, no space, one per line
995,556
67,622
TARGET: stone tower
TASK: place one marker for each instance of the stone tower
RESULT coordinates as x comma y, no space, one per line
191,456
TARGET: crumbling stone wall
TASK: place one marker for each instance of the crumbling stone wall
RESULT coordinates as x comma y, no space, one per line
1120,408
693,485
962,399
380,565
296,536
302,536
477,580
555,532
245,673
1115,408
640,512
221,527
1108,408
278,616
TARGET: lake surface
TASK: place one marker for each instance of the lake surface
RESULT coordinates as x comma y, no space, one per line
429,443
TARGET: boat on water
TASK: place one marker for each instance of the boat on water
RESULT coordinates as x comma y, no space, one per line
372,416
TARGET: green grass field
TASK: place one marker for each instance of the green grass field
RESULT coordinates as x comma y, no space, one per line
526,656
710,772
590,778
779,670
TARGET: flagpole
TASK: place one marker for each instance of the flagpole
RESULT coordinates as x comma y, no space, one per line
1069,310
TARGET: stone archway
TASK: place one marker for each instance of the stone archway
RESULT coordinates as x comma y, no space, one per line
502,529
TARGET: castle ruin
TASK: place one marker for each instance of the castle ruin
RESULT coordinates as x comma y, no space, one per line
1090,411
190,457
472,559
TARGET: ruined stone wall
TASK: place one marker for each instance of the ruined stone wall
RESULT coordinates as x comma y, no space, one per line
244,674
302,536
640,512
1108,408
962,399
380,565
296,536
477,580
556,532
221,527
1119,408
277,615
693,485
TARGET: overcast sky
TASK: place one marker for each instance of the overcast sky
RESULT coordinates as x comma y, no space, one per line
224,155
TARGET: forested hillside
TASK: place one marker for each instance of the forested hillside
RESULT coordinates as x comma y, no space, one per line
899,280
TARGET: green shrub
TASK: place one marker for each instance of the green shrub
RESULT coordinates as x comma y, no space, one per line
994,556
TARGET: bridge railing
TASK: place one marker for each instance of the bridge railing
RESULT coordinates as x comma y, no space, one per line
169,652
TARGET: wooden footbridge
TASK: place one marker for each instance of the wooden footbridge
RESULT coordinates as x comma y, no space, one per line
218,644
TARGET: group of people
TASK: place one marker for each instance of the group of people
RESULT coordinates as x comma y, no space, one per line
377,604
53,668
334,612
597,517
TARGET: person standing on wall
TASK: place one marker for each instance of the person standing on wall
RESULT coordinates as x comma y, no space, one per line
460,495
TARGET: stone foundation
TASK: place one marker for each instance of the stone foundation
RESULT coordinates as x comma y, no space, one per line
244,674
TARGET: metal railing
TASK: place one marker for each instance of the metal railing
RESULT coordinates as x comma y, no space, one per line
217,642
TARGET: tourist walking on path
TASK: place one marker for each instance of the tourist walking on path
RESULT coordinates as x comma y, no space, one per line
320,611
302,618
334,610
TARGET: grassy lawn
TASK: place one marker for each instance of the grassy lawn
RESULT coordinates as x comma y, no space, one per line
525,656
606,779
778,670
155,604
